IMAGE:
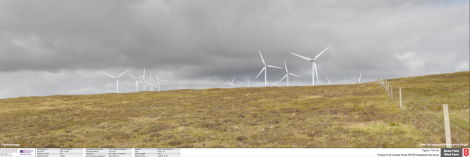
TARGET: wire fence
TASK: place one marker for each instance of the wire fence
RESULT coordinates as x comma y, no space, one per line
431,117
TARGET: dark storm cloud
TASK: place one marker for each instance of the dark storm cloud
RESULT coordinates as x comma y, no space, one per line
218,40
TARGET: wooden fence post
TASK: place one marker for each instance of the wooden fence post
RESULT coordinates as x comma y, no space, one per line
385,85
400,95
388,90
447,125
388,86
391,92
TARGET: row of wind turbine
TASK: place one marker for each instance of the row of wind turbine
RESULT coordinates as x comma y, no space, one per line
314,68
137,82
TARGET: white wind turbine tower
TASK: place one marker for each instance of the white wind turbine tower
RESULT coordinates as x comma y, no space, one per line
136,82
360,77
314,66
328,80
158,82
287,75
150,83
264,68
143,79
117,79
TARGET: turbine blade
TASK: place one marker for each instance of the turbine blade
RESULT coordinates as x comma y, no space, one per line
233,79
260,72
109,75
294,74
131,75
283,78
273,66
123,73
321,53
157,77
302,56
285,65
328,80
262,57
241,83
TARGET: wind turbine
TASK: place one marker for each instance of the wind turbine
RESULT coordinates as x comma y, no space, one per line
328,80
117,79
158,82
287,75
314,66
136,81
231,83
182,87
264,68
360,77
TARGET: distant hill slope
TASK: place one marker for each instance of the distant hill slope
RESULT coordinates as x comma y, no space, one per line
355,115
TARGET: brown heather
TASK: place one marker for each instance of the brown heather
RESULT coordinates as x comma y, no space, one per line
354,115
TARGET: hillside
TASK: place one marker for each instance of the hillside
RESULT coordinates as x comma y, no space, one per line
355,115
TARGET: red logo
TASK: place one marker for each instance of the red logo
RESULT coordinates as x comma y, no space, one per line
465,152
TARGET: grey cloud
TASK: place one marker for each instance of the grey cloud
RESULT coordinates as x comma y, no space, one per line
215,40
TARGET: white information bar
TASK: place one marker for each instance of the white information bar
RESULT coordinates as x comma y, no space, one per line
234,152
307,152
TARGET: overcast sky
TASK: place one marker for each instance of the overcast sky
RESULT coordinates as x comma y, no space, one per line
63,47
